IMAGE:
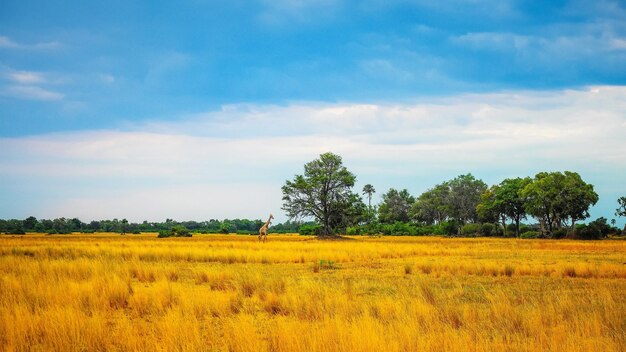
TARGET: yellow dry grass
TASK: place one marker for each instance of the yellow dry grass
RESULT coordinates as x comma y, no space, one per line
107,292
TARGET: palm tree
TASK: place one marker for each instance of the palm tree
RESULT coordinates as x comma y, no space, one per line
369,190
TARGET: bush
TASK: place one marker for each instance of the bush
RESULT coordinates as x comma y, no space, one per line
449,228
595,230
530,234
310,230
176,231
353,230
424,230
401,229
488,230
471,230
559,233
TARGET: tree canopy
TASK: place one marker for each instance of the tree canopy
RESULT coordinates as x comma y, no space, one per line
554,198
323,192
395,206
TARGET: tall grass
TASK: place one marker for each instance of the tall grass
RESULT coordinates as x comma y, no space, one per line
212,293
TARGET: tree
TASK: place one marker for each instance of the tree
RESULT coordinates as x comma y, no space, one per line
508,196
324,192
432,205
30,223
578,197
368,190
124,227
490,208
621,209
554,198
396,206
465,191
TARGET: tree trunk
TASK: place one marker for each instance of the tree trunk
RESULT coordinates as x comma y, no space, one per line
517,220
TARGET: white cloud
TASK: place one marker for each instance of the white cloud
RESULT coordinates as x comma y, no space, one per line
32,93
6,42
278,12
106,78
558,41
26,77
241,154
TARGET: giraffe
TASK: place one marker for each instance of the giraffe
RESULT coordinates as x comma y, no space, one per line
263,229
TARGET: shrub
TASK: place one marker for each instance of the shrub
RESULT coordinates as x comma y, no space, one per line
176,231
559,233
425,230
530,234
401,229
310,229
471,230
353,230
449,228
488,230
595,230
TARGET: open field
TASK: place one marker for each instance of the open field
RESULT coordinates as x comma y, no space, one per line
229,293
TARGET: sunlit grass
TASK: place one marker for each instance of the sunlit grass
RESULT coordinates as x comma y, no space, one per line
231,293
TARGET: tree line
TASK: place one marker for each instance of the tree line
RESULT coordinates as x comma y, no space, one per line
123,226
554,201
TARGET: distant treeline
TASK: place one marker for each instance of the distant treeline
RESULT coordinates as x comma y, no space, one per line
69,225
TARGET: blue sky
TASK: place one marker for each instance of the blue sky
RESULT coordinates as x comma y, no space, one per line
198,109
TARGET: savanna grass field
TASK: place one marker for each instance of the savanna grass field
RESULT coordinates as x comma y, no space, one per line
107,292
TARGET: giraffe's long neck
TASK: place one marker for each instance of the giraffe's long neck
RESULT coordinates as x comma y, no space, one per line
267,223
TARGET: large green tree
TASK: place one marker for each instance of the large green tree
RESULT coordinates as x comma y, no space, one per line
490,208
508,196
556,198
578,197
395,206
465,191
324,192
432,206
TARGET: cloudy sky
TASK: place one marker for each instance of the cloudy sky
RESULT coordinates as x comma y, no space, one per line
202,109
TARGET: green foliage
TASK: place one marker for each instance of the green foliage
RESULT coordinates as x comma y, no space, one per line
488,230
595,230
324,192
530,234
555,198
432,206
395,206
621,209
471,230
559,233
369,190
449,228
398,229
353,230
504,201
12,226
175,231
465,191
310,229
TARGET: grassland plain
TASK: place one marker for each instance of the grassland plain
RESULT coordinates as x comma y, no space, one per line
106,292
